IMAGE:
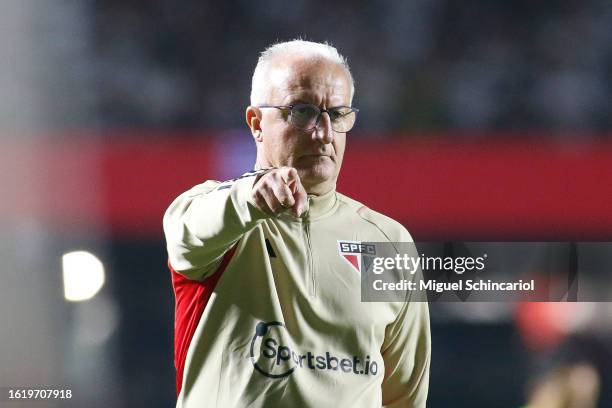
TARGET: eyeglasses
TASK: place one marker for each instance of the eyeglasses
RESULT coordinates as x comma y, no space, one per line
306,116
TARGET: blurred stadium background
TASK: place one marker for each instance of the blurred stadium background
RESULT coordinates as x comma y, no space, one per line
479,121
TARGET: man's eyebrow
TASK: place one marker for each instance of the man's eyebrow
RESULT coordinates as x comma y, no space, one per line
294,101
305,101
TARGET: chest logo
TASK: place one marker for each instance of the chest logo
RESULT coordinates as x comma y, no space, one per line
274,356
356,253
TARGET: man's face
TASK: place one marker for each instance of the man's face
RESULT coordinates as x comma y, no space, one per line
316,154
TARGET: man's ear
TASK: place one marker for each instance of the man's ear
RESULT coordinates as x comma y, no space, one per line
253,120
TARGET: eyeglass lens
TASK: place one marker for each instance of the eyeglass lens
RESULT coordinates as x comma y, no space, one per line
306,116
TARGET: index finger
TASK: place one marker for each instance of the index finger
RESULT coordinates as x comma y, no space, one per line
289,175
301,198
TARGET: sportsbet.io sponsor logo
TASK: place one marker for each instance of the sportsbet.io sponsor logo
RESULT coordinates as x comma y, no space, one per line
273,355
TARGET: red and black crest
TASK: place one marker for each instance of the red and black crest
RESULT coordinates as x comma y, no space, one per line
356,253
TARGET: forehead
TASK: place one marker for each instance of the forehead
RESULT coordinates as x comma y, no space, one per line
309,80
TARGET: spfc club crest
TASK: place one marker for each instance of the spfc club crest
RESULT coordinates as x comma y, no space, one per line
357,254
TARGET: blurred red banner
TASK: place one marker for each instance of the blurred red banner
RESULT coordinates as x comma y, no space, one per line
440,188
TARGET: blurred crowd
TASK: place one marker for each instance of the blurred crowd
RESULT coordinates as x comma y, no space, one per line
418,65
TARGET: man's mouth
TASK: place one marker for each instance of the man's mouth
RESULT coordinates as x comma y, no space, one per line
317,155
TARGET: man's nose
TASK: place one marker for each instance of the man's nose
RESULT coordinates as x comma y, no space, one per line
323,132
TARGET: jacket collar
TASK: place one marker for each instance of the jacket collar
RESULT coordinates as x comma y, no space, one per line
320,205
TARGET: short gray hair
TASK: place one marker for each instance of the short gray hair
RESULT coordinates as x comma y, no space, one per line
294,47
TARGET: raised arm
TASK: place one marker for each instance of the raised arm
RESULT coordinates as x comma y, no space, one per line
204,222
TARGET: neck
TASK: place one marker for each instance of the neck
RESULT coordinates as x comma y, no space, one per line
320,188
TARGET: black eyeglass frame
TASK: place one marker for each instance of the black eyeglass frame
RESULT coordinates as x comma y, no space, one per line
321,111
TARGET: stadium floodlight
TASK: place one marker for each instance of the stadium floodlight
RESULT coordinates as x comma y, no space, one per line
83,275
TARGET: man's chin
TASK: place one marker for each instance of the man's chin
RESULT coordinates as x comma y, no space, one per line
316,175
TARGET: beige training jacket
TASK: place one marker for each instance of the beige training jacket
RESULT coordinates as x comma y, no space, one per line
268,309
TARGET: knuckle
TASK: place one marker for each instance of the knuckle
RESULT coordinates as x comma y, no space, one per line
259,201
292,172
256,193
266,184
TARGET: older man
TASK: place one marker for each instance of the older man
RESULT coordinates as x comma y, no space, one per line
268,310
